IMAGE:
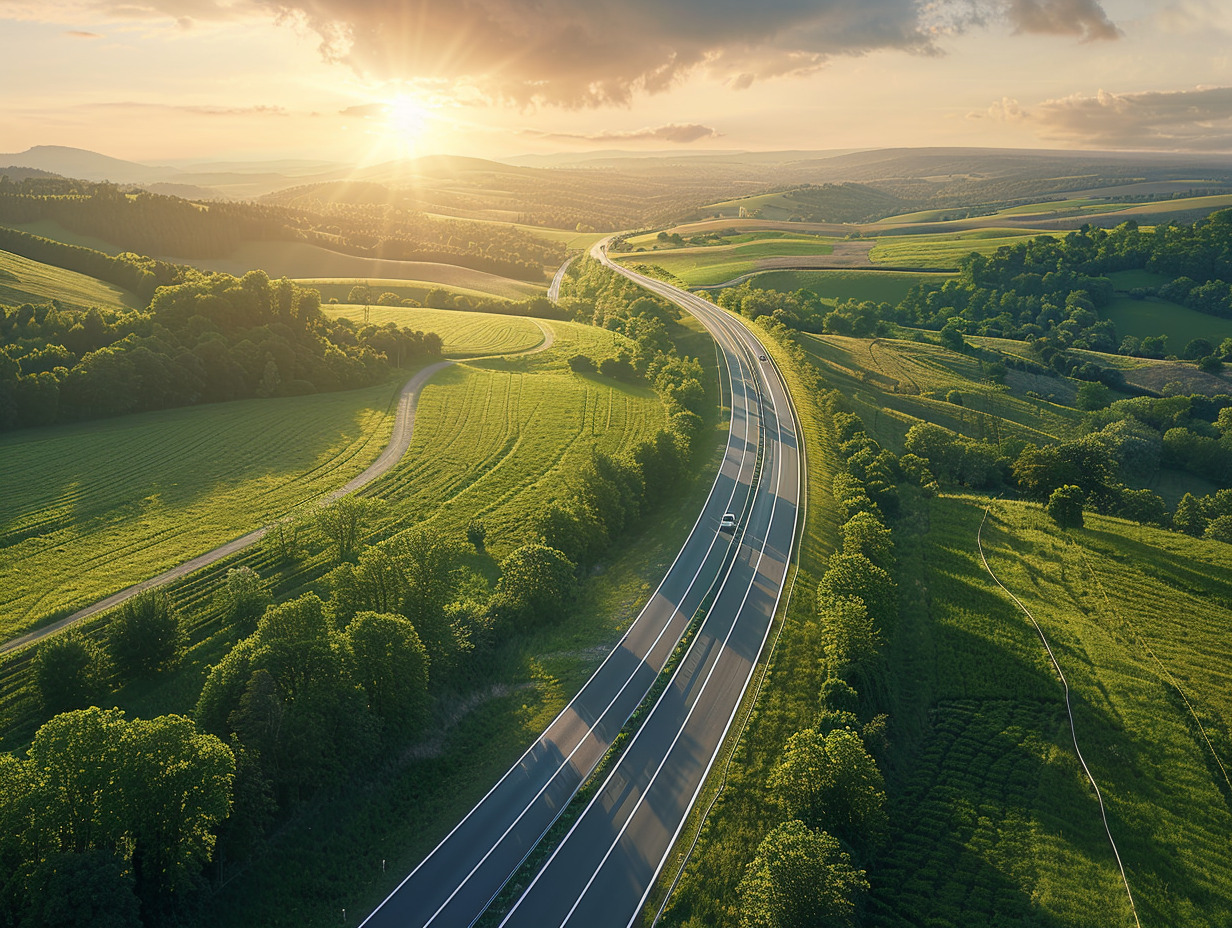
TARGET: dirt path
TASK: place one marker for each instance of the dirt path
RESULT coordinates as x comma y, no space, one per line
399,442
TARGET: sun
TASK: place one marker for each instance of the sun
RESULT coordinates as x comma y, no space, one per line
406,117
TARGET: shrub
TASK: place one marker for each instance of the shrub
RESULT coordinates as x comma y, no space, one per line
145,636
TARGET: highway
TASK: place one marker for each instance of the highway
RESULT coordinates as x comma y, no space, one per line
617,847
604,869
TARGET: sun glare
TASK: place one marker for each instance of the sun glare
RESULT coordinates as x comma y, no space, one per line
406,117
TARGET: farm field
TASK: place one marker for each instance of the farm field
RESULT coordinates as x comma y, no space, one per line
893,384
574,241
836,286
339,288
25,281
92,508
48,228
497,438
1153,316
944,250
719,263
298,260
992,817
465,334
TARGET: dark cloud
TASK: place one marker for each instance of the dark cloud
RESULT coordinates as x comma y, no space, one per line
673,132
1184,120
1085,18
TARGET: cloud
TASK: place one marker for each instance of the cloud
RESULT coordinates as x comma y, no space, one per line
673,132
1084,18
1006,109
191,109
1184,120
577,53
79,34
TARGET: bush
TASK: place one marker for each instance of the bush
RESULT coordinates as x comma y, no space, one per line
476,535
1064,506
68,673
1220,529
145,637
582,364
243,598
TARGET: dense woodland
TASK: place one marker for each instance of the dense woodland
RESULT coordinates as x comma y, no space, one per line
206,338
149,223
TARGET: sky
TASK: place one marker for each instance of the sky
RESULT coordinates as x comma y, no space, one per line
181,81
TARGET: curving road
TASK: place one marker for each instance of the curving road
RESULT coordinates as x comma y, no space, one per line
399,442
600,874
557,278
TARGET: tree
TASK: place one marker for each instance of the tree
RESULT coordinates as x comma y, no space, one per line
866,534
430,563
852,645
344,522
830,781
1064,506
1190,516
391,664
854,575
145,635
242,598
68,673
155,789
476,535
536,586
91,889
1220,529
800,878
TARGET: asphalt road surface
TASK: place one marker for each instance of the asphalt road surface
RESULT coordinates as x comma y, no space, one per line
613,854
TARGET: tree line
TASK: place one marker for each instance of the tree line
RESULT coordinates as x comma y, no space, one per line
828,793
209,338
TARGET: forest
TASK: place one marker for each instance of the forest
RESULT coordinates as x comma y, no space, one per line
209,338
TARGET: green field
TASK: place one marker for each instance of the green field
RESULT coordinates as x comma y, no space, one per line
838,285
464,334
335,288
26,281
49,228
993,820
498,438
298,260
574,241
944,250
892,384
1142,318
715,265
92,508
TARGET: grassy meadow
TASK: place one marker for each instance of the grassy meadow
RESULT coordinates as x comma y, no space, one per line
702,266
465,334
944,251
26,281
837,286
892,384
301,261
992,818
94,507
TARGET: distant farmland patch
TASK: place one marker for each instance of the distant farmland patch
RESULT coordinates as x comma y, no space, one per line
944,251
1143,318
26,281
837,286
300,260
464,334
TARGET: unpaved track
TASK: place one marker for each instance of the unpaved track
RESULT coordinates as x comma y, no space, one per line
399,442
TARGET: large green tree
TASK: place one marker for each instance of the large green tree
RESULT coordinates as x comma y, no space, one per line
800,878
69,673
391,664
145,635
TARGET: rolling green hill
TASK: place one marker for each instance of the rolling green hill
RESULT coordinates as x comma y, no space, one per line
25,281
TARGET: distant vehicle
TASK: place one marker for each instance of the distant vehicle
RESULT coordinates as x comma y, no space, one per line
761,357
728,522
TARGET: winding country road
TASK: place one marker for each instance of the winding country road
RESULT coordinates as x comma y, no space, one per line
399,442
